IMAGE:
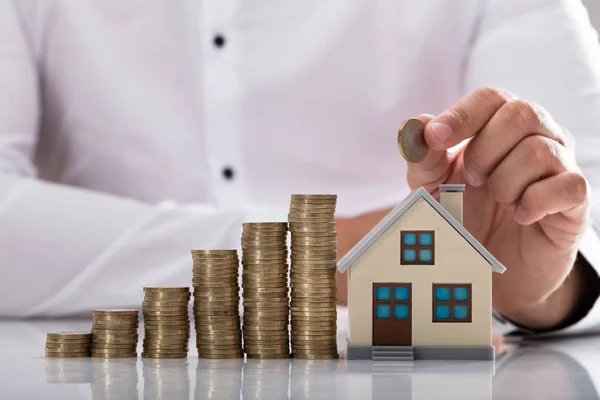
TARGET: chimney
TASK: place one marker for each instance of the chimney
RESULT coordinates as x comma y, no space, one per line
451,198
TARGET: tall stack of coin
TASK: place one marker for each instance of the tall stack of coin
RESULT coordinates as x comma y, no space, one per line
68,344
265,290
312,276
166,322
217,304
114,333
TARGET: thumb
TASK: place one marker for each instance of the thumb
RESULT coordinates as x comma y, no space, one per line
433,169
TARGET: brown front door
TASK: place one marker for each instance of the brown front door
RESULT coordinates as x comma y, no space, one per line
392,314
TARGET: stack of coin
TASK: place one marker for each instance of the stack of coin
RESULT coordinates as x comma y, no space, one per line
265,290
68,344
166,322
114,333
312,276
217,304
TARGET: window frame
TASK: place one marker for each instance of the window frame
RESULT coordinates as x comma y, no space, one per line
417,247
392,301
451,303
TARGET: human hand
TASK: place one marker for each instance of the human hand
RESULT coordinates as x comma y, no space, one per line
525,200
500,346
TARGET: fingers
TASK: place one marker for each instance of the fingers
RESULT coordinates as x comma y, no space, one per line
513,123
534,158
566,193
466,118
500,346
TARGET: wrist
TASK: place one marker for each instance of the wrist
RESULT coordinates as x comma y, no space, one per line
565,306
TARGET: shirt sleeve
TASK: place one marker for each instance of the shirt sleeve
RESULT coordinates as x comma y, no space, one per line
547,51
66,250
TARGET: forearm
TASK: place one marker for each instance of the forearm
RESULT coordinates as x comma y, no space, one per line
74,250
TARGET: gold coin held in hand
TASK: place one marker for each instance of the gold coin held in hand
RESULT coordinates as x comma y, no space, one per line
411,140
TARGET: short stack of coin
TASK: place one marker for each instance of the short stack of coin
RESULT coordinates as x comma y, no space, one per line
265,290
68,344
115,333
312,276
217,304
166,322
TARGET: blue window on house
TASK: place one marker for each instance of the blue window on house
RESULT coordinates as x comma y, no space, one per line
401,293
410,255
401,311
417,248
391,300
425,239
461,294
442,312
410,239
452,302
382,293
442,293
460,312
382,311
425,256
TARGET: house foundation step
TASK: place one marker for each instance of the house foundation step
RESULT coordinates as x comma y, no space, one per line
393,354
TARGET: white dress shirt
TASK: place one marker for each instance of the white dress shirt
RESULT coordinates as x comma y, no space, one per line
132,131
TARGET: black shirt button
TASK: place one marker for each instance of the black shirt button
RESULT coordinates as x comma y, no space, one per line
228,173
219,41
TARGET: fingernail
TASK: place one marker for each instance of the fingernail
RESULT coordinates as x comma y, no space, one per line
441,130
472,178
520,214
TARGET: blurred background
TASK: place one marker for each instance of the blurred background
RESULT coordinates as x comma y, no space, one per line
594,9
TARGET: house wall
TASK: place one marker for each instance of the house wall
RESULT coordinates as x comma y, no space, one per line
456,261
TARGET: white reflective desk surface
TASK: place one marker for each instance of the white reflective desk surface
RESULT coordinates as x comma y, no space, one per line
565,369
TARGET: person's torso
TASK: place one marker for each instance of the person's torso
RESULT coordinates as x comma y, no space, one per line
141,99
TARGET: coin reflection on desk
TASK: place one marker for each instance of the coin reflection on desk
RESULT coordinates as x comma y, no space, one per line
310,379
266,379
68,370
114,378
166,378
557,369
218,379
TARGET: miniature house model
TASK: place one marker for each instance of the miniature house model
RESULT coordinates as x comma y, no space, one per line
420,285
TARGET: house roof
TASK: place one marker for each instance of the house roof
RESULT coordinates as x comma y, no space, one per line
396,213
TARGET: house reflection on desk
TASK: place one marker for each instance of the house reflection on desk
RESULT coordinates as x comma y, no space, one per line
525,374
420,380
